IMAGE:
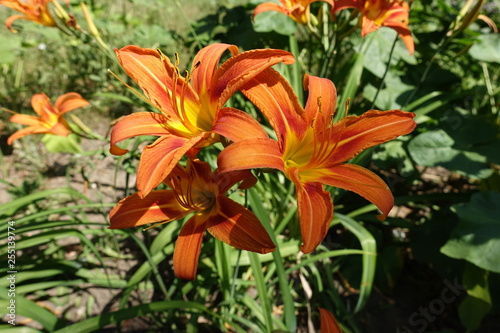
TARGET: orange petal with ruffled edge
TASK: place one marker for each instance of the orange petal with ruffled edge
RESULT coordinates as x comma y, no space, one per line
237,125
274,96
356,133
69,102
328,322
269,6
359,180
146,67
235,225
188,246
136,124
251,154
157,206
322,100
159,158
315,212
39,103
243,67
206,63
344,4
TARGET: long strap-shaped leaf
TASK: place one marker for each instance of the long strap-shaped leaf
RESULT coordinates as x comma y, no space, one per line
369,247
95,323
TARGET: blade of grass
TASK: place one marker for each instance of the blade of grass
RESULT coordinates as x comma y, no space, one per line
369,247
98,322
260,284
263,216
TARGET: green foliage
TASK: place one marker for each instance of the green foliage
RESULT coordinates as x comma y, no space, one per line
444,176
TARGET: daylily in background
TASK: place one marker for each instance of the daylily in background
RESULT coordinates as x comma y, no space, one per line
311,151
32,10
192,113
381,13
196,189
298,10
328,322
50,117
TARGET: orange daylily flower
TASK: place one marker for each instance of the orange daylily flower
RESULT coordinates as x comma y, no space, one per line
32,10
192,113
196,189
328,322
311,151
49,118
298,10
381,13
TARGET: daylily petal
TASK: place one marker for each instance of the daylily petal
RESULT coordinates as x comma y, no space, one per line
328,322
188,246
39,102
250,154
274,96
11,19
206,63
69,102
25,119
344,4
159,158
356,133
157,206
226,180
26,131
269,6
60,128
405,35
243,67
315,212
135,124
322,99
147,68
362,181
237,125
237,226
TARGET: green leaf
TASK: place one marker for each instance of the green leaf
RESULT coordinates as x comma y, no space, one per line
274,21
487,48
477,304
369,246
61,144
7,54
30,309
437,148
95,323
477,236
379,48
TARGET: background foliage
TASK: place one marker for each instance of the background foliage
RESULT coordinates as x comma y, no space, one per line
442,238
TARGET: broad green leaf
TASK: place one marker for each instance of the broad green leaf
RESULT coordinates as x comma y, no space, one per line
437,148
61,144
477,303
477,236
9,44
274,21
379,48
487,48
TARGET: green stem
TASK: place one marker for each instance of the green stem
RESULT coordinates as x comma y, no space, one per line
385,72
